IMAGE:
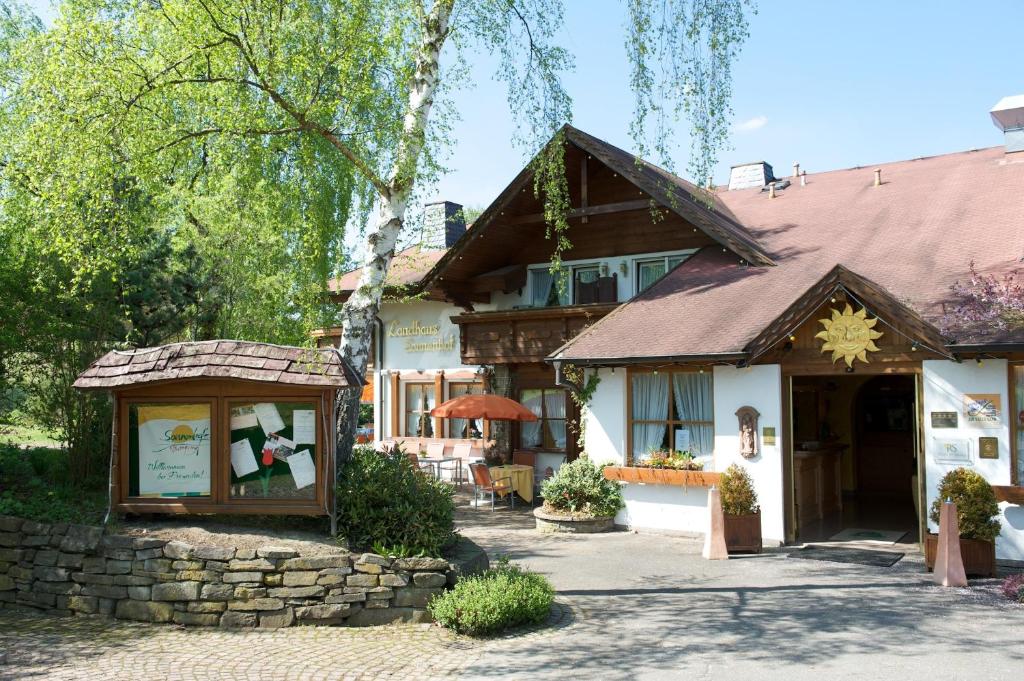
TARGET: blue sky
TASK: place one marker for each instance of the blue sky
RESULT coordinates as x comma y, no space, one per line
829,84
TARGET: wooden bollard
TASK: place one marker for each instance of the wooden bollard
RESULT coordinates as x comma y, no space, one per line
949,564
714,540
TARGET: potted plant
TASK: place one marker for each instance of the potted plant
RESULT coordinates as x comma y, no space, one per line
741,510
977,511
578,499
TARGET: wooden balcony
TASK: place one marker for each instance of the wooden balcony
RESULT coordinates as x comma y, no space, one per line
521,336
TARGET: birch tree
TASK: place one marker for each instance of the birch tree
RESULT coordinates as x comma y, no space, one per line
314,116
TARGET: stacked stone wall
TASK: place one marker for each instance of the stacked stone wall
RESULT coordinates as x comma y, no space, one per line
77,569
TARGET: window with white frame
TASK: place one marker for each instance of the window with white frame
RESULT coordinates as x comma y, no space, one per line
419,400
650,270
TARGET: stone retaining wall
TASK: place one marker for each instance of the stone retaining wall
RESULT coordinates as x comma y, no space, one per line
77,569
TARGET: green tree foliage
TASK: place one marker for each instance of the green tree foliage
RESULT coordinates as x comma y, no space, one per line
251,133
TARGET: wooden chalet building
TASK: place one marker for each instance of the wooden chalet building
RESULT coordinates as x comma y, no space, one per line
690,307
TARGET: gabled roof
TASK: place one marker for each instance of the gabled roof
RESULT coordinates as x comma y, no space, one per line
681,197
668,190
865,292
243,360
908,240
408,268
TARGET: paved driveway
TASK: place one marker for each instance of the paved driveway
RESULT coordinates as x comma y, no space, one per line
631,606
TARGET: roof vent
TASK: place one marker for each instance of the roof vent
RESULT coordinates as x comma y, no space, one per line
1008,115
747,175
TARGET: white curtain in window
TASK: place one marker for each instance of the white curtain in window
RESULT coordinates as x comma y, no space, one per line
1018,388
693,398
529,431
650,403
554,406
650,272
464,428
540,287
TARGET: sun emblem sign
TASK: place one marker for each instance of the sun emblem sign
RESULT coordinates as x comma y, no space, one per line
850,335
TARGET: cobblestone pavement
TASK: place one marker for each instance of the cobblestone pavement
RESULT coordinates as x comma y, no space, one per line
629,607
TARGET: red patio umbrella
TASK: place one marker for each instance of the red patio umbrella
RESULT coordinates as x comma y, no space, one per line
490,407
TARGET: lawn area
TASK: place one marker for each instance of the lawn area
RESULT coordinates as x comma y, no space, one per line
26,436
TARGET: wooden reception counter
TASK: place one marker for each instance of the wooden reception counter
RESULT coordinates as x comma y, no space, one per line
818,481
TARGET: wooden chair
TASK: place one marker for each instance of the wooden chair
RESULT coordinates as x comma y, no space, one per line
482,482
524,458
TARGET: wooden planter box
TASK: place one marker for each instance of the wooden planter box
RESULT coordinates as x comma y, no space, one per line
979,556
743,533
661,476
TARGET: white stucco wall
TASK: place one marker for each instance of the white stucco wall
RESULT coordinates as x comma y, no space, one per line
759,387
683,510
415,364
945,384
606,420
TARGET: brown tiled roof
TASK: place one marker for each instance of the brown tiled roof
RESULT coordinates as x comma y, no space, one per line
913,236
408,268
243,360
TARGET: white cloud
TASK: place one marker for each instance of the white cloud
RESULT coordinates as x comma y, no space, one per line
751,124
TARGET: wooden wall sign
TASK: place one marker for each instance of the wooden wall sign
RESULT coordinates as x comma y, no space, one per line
849,335
748,431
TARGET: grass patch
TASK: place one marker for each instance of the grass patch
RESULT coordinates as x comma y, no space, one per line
27,436
34,484
503,597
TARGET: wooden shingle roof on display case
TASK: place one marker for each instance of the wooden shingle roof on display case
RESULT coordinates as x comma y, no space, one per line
220,359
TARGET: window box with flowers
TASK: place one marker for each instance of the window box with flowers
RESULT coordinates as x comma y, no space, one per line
665,468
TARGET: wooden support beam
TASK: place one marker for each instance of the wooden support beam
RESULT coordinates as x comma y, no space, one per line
600,209
583,187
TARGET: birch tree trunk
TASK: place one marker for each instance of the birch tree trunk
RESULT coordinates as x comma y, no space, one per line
360,310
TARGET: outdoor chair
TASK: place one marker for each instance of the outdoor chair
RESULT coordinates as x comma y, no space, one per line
482,482
461,451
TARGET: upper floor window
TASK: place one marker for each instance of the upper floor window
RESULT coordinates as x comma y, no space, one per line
650,270
585,286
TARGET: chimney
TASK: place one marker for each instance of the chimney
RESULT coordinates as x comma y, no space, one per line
443,224
1008,116
747,175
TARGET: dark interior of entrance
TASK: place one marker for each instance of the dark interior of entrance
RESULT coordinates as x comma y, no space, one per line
854,458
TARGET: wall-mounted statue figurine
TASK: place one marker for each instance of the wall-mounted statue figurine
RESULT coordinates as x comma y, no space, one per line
748,432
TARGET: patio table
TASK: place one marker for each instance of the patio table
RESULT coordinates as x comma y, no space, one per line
438,467
521,478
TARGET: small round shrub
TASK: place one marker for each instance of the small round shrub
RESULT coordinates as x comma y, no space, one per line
384,501
494,600
737,490
975,501
1013,588
580,488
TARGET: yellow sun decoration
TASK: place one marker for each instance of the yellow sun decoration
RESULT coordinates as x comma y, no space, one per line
850,335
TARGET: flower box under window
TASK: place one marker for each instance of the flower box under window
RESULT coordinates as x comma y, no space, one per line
661,476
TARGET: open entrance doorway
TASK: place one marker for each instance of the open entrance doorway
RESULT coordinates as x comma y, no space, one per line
855,467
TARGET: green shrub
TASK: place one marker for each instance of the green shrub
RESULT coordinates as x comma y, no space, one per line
580,487
492,601
975,501
737,490
384,501
34,484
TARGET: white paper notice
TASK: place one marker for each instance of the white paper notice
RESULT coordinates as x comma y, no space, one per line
303,470
682,439
269,417
304,426
242,417
242,459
